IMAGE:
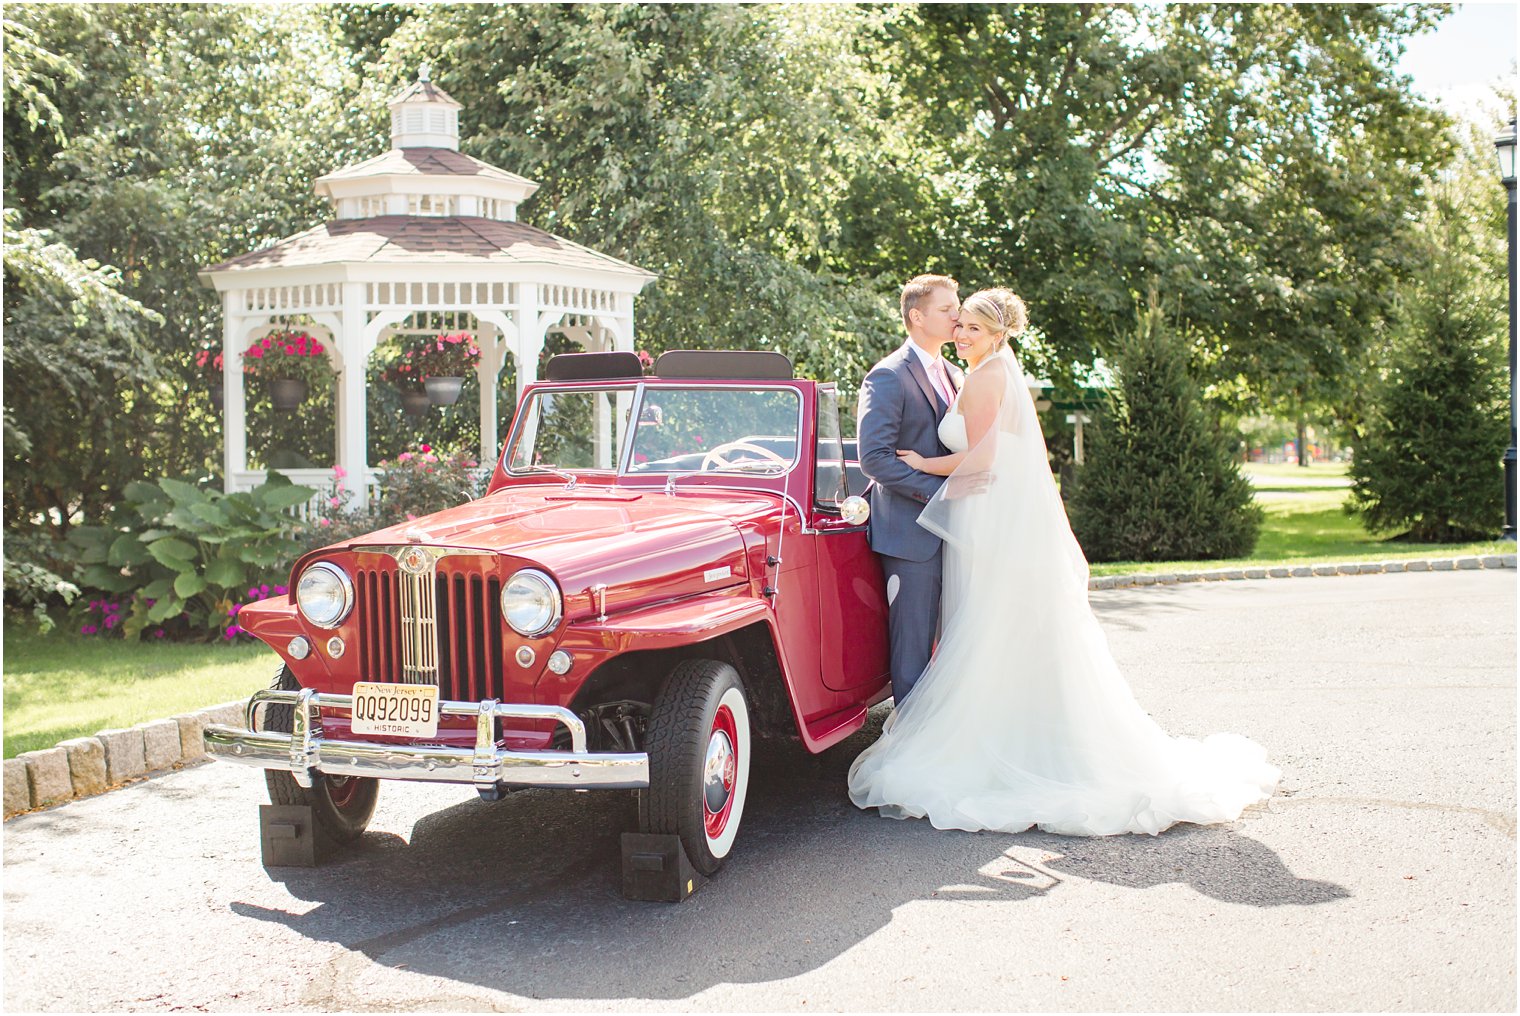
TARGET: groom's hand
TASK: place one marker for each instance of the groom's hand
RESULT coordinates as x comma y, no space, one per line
879,430
967,484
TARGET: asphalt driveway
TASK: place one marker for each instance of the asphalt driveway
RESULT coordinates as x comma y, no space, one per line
1382,876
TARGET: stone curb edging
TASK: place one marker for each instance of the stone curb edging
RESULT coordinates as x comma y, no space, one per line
1304,571
84,766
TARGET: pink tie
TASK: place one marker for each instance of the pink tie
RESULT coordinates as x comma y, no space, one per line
942,381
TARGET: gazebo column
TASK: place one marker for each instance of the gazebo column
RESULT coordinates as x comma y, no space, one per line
493,356
234,398
353,431
531,328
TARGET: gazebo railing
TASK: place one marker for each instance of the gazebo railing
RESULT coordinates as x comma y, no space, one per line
324,482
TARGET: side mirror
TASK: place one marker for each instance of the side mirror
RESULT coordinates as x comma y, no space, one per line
855,510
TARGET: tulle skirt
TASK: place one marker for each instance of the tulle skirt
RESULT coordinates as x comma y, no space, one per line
1022,718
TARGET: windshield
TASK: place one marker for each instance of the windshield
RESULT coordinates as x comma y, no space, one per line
679,430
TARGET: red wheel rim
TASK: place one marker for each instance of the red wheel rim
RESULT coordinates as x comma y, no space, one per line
341,790
720,773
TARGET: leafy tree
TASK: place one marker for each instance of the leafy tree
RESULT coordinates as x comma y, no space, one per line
1427,458
1259,161
72,342
159,139
1161,481
700,142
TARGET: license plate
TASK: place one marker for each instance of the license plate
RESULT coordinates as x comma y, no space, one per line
396,710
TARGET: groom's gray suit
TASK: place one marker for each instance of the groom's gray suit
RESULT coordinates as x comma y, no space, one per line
899,408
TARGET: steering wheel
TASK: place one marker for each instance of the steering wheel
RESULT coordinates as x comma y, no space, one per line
718,458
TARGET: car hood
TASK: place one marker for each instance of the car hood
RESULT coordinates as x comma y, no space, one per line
617,536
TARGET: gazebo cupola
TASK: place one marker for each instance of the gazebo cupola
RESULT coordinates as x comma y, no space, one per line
424,239
424,116
423,173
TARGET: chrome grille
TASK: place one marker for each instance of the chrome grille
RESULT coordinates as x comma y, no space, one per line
419,627
436,626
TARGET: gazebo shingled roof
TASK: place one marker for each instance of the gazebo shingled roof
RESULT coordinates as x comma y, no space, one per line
410,239
422,162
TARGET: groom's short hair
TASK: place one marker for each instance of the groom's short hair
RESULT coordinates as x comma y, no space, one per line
917,289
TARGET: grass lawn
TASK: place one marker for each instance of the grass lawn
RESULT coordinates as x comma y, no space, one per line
64,685
1305,525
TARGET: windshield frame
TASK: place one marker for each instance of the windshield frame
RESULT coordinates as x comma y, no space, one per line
624,456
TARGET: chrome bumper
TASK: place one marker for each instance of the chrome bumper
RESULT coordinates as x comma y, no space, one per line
305,753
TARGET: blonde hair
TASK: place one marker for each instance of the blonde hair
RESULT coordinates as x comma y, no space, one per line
917,289
1000,311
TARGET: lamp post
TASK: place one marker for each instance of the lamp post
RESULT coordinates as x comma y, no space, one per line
1505,143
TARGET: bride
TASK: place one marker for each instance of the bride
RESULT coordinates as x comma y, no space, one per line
1022,718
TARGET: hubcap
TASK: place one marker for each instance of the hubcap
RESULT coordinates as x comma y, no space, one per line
719,772
341,790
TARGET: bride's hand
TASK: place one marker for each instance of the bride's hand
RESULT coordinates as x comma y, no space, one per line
913,460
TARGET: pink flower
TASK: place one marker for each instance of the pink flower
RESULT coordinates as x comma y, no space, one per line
290,350
324,522
269,342
426,448
316,348
257,352
404,457
339,472
158,634
264,589
253,592
334,502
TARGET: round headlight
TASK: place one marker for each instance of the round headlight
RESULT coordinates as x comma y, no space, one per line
324,594
530,602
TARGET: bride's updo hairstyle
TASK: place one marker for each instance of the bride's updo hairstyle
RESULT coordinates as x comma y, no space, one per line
1000,311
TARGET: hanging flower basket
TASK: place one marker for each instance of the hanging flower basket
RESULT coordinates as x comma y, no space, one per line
443,391
290,364
438,365
287,393
415,403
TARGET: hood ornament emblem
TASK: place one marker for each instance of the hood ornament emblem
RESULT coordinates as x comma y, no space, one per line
414,560
415,535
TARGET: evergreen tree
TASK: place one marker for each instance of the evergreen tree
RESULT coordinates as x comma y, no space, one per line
1428,458
1161,481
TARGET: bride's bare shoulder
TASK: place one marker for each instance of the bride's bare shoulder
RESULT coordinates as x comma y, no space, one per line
985,385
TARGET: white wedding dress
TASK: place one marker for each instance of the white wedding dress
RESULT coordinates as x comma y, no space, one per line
1022,717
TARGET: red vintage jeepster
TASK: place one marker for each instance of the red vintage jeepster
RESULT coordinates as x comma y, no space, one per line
662,568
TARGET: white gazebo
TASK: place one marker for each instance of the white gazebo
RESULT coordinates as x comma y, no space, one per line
425,240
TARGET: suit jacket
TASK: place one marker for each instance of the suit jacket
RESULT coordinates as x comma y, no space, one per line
899,408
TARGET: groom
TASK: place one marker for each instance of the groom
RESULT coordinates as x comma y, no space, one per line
902,400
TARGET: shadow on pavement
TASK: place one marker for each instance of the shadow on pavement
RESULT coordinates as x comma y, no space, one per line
523,895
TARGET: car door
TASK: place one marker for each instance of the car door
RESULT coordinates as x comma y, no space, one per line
852,600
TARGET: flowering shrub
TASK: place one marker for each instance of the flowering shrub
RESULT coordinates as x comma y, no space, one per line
259,592
180,554
209,363
423,482
294,355
102,618
452,355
